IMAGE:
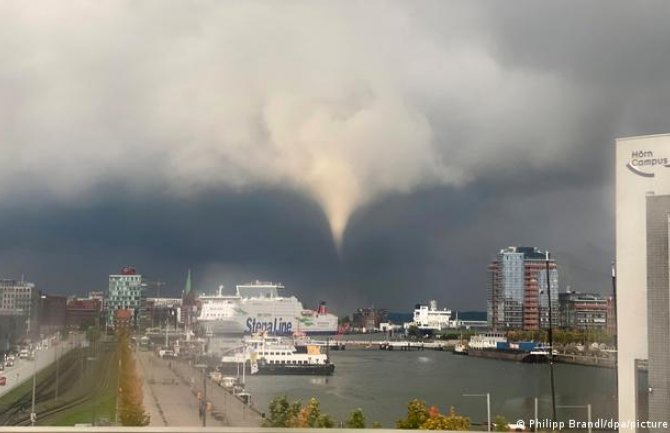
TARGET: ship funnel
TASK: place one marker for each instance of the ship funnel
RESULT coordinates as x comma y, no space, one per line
322,308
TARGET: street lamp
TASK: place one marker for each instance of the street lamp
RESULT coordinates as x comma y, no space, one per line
33,414
488,407
550,336
204,392
95,391
588,412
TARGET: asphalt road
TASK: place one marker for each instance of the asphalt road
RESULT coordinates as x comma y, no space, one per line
23,369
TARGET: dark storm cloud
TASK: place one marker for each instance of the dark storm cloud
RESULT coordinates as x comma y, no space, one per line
245,137
264,234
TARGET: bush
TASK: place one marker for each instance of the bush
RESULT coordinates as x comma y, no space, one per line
285,414
501,424
356,419
421,417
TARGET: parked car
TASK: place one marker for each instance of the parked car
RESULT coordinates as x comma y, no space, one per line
3,381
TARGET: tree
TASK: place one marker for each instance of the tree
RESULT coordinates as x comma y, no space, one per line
413,332
501,424
131,410
356,419
417,414
421,417
92,334
453,421
285,414
282,412
311,416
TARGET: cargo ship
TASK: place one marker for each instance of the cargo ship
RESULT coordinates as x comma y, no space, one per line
259,307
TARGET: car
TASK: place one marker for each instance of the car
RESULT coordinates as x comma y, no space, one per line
2,367
9,363
3,381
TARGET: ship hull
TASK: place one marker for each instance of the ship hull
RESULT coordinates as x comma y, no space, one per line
258,317
296,370
258,308
235,369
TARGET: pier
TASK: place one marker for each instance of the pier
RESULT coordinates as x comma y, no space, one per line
392,345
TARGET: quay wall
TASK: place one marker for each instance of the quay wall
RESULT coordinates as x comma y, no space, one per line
496,354
593,361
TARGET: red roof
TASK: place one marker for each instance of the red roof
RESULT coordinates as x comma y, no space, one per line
123,315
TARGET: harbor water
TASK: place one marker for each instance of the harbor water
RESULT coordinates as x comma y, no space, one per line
381,383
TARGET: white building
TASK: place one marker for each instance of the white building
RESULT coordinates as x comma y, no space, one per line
642,169
19,298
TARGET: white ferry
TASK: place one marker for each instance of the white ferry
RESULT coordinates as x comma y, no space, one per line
274,356
259,307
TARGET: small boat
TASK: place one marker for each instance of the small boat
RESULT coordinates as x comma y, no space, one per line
229,382
461,349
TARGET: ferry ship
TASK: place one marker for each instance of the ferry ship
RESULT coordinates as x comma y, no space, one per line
275,356
259,307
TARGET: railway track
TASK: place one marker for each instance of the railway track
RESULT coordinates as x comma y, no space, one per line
74,389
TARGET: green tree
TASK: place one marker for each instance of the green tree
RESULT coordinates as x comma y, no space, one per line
285,414
92,334
417,414
500,423
356,419
413,332
282,413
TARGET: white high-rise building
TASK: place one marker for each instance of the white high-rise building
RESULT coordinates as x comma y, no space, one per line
642,170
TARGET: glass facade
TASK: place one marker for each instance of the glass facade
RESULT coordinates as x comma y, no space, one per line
516,297
125,292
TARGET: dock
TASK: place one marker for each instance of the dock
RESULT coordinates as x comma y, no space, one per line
396,345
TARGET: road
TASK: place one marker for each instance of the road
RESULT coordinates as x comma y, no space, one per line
23,369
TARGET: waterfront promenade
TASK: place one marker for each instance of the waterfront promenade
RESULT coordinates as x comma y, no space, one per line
170,391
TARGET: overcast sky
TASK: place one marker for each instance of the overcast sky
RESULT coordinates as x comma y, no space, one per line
360,152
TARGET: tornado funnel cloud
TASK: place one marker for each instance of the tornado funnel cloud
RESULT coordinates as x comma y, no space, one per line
233,96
